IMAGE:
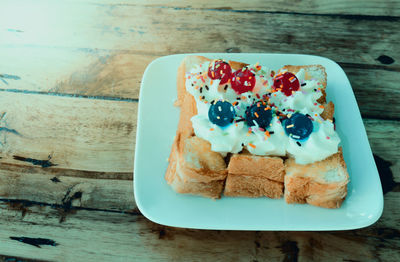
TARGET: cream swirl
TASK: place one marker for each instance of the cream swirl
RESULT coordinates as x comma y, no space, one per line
233,138
319,145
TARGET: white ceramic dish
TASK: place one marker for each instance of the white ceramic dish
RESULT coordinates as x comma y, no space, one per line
157,122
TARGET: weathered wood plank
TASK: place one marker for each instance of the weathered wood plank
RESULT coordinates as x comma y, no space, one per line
99,51
119,76
65,132
46,186
161,31
109,57
377,95
366,7
384,139
97,235
86,72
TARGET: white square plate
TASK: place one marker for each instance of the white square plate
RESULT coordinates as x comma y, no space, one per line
157,122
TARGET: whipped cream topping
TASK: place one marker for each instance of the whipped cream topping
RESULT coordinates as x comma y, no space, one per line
237,136
304,100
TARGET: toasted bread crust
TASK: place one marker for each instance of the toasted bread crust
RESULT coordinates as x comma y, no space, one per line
257,166
237,65
310,184
329,111
185,176
250,186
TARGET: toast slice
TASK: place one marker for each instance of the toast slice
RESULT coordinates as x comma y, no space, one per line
323,183
255,176
195,169
189,170
247,164
252,186
204,178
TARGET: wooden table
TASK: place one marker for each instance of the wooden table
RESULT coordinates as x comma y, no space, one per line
70,74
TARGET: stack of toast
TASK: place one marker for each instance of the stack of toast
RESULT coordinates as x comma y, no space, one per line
194,168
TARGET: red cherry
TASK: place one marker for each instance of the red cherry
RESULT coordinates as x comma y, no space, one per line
220,69
287,83
243,80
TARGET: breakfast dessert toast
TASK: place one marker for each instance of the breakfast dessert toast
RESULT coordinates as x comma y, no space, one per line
242,128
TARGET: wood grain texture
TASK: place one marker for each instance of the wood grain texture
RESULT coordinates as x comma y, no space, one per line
69,84
161,31
95,235
377,97
366,7
65,132
57,188
107,60
102,74
384,139
118,77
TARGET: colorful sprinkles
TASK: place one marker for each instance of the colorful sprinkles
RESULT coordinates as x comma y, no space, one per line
258,97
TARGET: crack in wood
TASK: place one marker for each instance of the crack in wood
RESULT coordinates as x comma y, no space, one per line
369,66
386,175
67,199
9,130
4,130
290,250
388,233
55,180
36,162
378,117
7,76
67,203
233,50
28,203
14,30
257,245
108,98
5,258
344,16
62,172
18,206
161,233
37,242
